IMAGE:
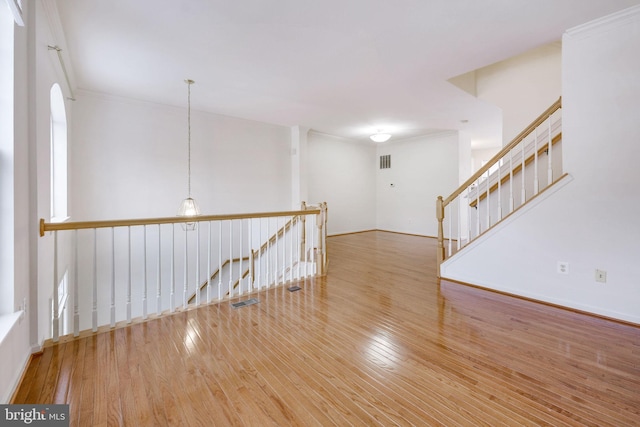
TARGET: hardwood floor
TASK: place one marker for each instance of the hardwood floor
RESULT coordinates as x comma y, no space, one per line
376,342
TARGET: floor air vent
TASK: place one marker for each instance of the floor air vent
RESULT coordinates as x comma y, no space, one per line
294,288
245,303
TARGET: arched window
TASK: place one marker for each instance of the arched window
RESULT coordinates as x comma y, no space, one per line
58,155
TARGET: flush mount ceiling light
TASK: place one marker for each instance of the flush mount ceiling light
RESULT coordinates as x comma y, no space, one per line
189,207
379,136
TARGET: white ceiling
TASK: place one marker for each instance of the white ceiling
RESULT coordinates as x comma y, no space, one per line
342,67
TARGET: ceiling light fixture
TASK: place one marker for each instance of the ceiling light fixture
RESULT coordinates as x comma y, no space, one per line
379,136
189,207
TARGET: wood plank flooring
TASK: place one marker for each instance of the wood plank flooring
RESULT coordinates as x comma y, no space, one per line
378,341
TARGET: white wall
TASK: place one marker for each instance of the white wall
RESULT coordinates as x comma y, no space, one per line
14,347
130,161
299,162
480,156
342,173
6,160
361,196
465,158
422,169
591,223
522,86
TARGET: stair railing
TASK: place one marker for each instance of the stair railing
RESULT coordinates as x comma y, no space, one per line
108,273
520,171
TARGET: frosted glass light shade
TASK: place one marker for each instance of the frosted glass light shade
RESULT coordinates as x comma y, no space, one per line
380,137
188,207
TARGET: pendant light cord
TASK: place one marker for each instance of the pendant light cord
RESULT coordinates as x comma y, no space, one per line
189,83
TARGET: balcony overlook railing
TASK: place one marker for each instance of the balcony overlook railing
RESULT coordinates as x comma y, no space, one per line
112,272
520,171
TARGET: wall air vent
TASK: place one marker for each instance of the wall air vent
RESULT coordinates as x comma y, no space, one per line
385,161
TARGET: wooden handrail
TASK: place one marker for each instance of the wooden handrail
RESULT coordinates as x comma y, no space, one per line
77,225
522,135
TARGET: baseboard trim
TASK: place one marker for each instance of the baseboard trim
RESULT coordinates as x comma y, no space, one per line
384,231
537,301
18,383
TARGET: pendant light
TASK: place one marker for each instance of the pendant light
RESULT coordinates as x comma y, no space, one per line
380,136
189,207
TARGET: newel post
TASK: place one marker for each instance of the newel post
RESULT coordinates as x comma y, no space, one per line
322,232
303,237
440,217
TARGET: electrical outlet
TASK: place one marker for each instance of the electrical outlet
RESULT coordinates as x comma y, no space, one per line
563,267
601,276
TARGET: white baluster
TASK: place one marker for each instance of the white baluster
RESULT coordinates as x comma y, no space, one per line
113,279
231,291
159,273
185,288
172,296
313,243
219,260
56,298
268,257
536,184
251,260
459,221
549,157
511,200
197,275
306,246
259,269
129,277
76,312
488,201
298,245
478,207
265,259
144,273
449,219
277,246
291,263
274,255
284,249
94,310
209,266
274,267
523,196
302,225
469,211
240,271
499,213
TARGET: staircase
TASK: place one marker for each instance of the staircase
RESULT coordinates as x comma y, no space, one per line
530,164
232,275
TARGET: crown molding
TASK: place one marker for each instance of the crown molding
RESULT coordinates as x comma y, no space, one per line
604,24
